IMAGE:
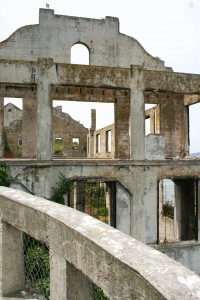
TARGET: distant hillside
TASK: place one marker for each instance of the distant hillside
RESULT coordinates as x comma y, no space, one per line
195,154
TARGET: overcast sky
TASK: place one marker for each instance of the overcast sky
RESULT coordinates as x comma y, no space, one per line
168,29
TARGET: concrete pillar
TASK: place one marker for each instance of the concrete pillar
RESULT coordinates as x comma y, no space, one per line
177,212
174,125
29,117
44,110
137,119
93,119
121,126
90,144
79,287
152,121
12,277
90,135
66,282
58,277
1,125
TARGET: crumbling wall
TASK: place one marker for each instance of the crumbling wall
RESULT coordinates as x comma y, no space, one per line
55,35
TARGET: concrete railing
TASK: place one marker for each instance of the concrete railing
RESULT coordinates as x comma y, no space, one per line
84,250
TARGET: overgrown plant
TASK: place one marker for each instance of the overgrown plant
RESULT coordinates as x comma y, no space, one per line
37,268
63,186
5,175
168,209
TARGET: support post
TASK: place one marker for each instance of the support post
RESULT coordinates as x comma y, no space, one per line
67,282
12,277
44,110
137,117
29,116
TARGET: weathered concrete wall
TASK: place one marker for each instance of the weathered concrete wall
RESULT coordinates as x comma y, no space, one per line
123,209
154,147
106,46
66,128
104,151
187,253
29,122
139,178
97,250
174,126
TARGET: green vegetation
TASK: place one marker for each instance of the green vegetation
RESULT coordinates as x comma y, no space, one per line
37,269
63,186
75,146
168,209
98,294
19,149
95,201
5,176
58,146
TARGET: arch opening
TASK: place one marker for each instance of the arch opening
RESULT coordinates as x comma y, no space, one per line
80,54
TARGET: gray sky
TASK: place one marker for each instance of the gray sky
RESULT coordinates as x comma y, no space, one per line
168,29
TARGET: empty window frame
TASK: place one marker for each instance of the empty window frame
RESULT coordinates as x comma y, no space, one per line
58,147
75,144
108,141
98,141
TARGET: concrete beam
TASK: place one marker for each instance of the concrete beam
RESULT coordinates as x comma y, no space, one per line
171,82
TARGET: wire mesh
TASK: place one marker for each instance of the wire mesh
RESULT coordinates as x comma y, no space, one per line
37,269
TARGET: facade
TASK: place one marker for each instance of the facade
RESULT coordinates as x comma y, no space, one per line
35,65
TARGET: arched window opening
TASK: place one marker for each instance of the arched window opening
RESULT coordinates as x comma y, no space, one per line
80,55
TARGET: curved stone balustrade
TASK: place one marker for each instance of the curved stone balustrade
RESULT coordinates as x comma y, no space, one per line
84,250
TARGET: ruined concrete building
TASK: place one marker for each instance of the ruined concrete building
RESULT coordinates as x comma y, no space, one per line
69,136
133,169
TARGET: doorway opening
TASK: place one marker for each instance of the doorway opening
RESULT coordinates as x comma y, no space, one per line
178,210
95,198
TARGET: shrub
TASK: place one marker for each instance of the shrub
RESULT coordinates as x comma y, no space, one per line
168,209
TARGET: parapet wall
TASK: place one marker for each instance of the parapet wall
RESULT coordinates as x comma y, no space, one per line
123,267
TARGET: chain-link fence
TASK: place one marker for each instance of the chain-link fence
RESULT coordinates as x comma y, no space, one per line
37,270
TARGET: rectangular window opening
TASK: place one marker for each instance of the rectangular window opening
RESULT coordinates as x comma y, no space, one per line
75,144
108,141
98,140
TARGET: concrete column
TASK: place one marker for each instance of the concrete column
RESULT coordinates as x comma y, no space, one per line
137,119
1,125
79,287
58,277
29,116
174,125
152,121
177,212
11,260
66,282
44,110
121,126
93,119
